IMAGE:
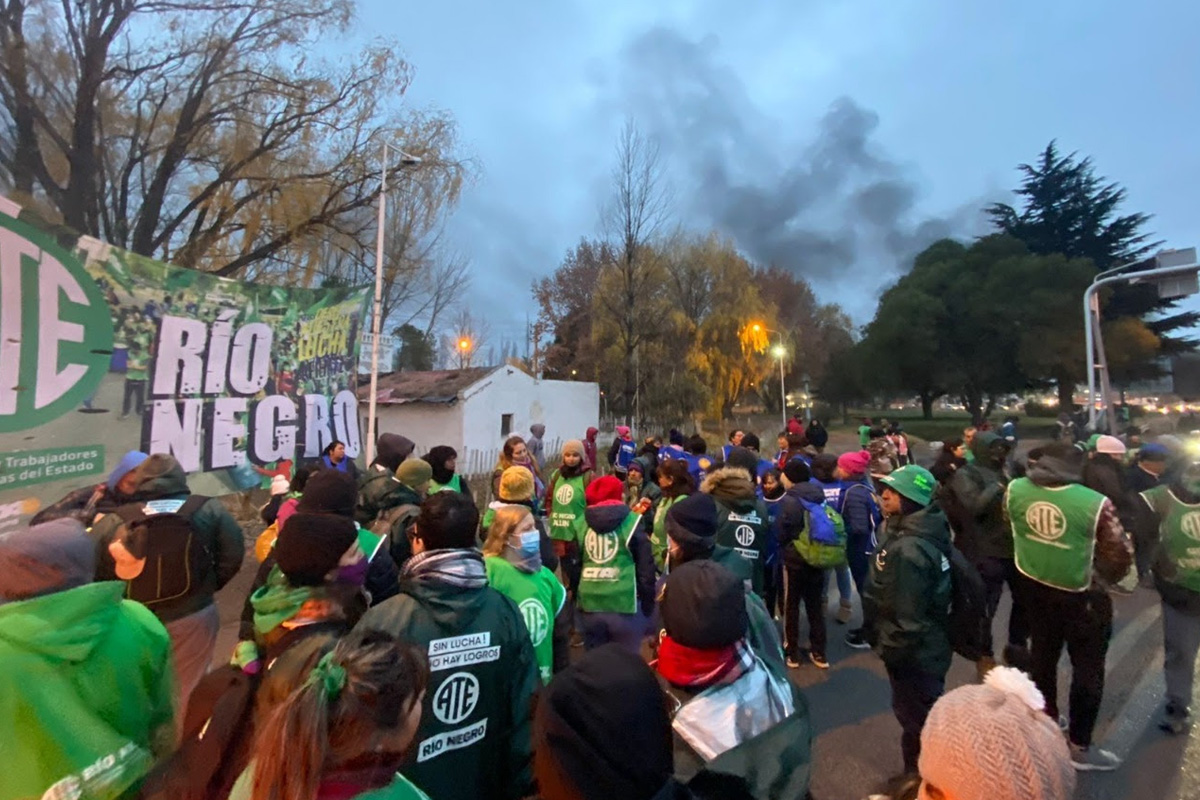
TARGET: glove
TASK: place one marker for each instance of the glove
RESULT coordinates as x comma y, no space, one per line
245,658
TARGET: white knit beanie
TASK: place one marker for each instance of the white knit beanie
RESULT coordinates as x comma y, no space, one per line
995,742
280,485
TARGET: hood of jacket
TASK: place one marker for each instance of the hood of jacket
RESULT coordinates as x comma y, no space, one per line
162,476
392,448
811,492
730,485
383,490
538,430
592,433
929,524
981,445
450,606
1052,471
64,626
607,516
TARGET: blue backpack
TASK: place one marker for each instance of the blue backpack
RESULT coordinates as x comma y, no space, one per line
822,544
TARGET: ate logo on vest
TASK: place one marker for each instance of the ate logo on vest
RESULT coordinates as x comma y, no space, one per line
536,620
565,494
1190,525
1046,520
744,535
601,547
456,698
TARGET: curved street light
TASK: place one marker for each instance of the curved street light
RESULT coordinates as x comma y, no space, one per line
779,351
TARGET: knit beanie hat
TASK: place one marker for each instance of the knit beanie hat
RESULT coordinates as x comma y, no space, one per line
414,472
1153,451
47,558
692,523
622,430
391,449
604,490
750,442
329,491
675,437
516,484
1110,445
637,466
128,463
703,605
741,458
994,742
797,471
855,463
279,485
310,546
573,446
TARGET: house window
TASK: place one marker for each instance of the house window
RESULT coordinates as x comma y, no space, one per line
505,424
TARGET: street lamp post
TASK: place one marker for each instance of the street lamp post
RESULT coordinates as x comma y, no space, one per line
1180,264
779,351
376,322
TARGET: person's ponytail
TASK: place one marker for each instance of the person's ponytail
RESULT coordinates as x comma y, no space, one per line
292,747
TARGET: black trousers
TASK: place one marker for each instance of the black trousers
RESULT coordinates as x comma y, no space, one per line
804,583
773,589
995,573
1083,622
135,395
913,694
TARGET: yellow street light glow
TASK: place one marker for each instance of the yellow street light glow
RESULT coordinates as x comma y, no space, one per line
778,351
464,344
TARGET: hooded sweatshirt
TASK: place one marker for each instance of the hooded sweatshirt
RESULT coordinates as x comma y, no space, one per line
163,479
743,524
974,503
474,737
536,444
590,455
907,597
87,686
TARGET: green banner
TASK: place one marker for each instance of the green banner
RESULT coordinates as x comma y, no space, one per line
103,351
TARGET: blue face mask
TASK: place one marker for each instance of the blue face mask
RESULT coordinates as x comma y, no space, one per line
531,543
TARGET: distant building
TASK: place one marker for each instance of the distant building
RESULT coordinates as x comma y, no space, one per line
475,410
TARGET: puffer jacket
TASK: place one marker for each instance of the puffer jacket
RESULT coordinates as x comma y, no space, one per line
974,503
379,491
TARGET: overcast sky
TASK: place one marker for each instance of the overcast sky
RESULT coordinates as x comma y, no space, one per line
831,137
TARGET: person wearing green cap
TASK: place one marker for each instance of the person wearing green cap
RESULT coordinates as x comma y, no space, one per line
907,599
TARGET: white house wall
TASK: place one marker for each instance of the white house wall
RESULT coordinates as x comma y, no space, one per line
427,424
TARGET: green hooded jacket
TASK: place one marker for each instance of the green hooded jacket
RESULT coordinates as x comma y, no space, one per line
974,503
378,491
475,738
907,597
222,536
86,687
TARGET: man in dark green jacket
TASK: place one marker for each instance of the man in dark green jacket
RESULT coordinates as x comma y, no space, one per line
379,489
474,737
190,616
907,601
974,503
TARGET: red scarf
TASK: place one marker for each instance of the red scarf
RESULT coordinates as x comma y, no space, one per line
688,667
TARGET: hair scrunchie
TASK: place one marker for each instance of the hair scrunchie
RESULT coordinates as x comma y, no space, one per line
330,676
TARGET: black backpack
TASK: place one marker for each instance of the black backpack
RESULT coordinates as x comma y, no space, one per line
177,559
968,620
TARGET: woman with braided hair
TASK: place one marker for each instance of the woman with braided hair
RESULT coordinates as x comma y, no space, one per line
347,730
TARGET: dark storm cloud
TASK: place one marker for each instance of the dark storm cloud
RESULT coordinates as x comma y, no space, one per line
822,202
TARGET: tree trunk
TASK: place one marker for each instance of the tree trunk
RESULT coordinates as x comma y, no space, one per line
927,399
1066,393
973,399
991,406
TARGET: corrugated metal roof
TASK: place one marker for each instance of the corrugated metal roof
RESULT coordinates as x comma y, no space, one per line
436,386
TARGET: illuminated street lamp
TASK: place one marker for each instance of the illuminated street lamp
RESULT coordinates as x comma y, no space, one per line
779,351
464,352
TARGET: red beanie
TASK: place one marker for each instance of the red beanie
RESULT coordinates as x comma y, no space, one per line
603,490
854,463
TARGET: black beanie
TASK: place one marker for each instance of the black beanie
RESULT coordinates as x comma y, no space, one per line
741,458
329,491
310,546
797,471
601,730
692,523
750,442
391,449
703,605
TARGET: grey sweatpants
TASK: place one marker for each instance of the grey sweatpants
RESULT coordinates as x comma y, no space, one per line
1181,641
192,641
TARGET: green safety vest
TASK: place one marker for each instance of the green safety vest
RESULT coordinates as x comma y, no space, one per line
455,485
1054,532
658,535
609,581
746,535
1179,532
567,509
539,597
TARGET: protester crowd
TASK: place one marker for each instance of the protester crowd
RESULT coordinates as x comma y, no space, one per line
622,628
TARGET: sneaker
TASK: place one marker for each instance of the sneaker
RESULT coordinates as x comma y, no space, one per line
857,639
1174,721
1018,657
818,661
1093,759
843,613
793,662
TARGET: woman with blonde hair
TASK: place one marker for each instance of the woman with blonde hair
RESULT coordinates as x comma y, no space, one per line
512,554
347,730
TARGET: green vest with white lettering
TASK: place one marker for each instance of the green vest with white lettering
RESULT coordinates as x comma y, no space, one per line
567,507
744,531
1179,533
539,596
609,581
1054,532
455,485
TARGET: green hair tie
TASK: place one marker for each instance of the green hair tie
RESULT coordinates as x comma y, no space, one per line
330,676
